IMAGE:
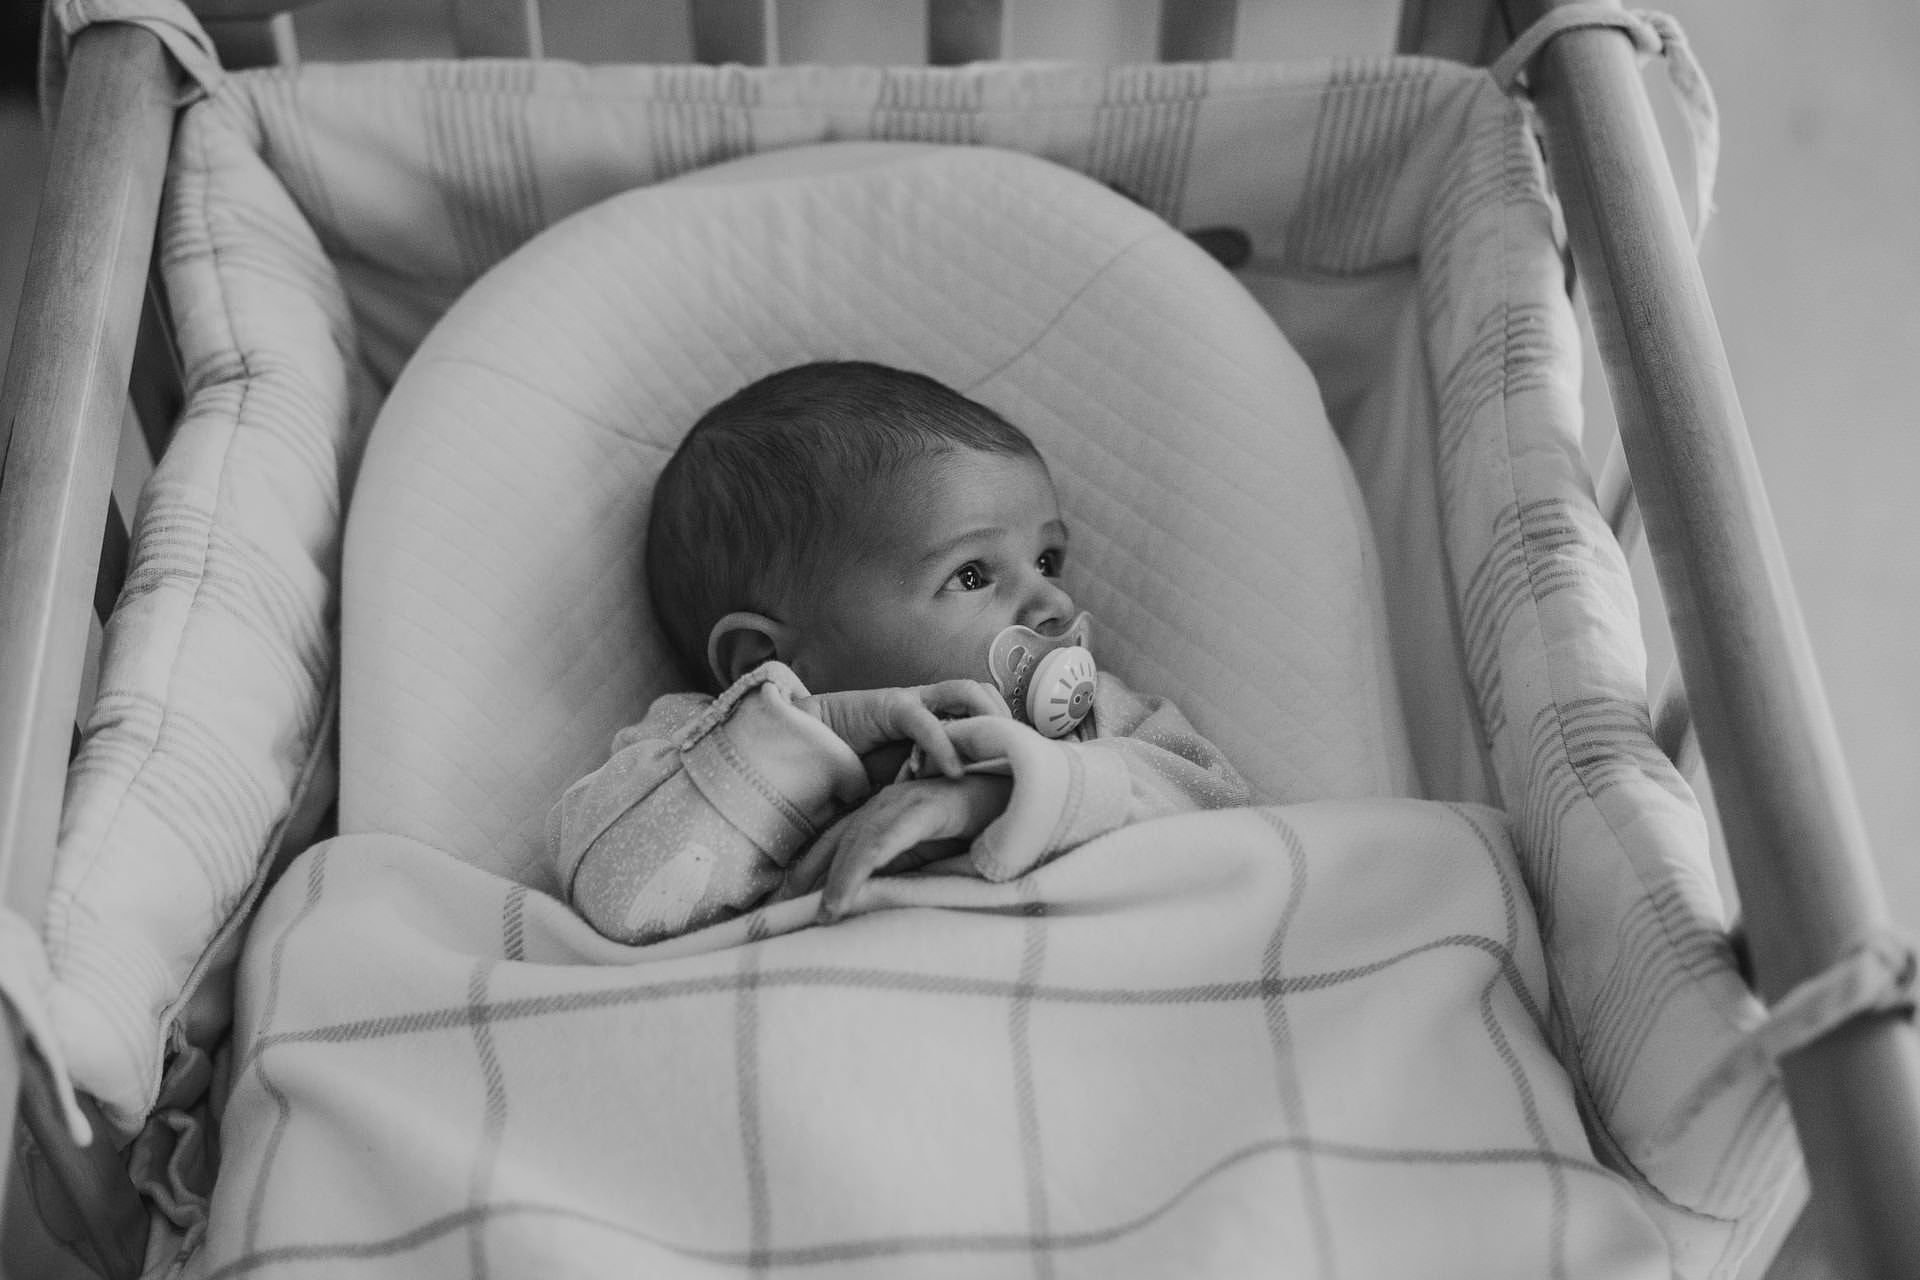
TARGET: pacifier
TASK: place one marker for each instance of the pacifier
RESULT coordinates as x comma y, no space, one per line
1046,680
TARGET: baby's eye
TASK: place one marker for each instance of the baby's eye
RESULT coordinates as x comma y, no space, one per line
969,577
1051,562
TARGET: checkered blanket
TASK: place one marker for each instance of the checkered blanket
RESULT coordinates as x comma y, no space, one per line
1303,1040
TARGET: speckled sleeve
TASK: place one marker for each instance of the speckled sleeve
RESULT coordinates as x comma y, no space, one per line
699,808
1170,767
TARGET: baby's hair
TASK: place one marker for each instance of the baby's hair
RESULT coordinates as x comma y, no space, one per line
751,503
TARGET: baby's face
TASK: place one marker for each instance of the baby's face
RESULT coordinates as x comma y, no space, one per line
950,552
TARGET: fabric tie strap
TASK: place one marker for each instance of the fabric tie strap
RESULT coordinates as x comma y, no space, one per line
170,20
24,982
1652,34
1877,976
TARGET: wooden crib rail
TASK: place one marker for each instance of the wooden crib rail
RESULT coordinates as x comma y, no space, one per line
1795,839
958,31
61,411
251,32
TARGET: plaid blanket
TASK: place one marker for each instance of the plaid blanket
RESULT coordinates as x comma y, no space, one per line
1304,1039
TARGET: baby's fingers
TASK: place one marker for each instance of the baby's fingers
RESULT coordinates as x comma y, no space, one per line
852,869
804,876
857,860
928,733
964,698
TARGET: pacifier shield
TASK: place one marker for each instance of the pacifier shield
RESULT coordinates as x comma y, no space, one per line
1060,692
1048,681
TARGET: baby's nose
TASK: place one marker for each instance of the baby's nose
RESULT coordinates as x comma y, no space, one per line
1049,608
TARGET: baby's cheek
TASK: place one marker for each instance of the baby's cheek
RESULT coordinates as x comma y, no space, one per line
921,649
964,655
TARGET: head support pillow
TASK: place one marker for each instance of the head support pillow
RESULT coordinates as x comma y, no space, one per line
495,626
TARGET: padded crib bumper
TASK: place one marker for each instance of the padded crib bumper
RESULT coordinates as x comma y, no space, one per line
1401,236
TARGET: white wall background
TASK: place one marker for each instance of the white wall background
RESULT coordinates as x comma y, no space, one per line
1814,266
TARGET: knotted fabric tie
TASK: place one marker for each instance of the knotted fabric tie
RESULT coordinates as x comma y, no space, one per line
25,981
1877,976
170,20
1653,34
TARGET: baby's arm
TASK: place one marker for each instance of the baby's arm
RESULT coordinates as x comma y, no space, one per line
699,808
907,825
701,805
1147,762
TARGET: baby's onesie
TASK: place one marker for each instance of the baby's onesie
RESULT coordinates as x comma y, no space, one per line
703,805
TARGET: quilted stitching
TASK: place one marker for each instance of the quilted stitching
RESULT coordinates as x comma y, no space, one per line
1212,494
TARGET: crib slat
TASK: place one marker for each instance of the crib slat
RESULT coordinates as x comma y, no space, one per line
1806,879
734,31
61,408
1614,490
115,545
1197,30
496,28
243,10
962,31
244,42
157,386
1469,31
1673,726
132,466
1802,1255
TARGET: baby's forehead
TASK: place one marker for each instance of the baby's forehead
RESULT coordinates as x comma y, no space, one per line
954,472
944,492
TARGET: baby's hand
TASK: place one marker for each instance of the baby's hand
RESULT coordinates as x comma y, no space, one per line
868,718
906,825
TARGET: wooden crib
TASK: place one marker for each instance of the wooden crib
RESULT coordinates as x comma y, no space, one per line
1752,699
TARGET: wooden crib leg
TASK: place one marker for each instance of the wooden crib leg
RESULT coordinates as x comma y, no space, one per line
61,412
1795,839
1803,1254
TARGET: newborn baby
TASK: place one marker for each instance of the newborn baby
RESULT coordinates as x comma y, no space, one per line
858,562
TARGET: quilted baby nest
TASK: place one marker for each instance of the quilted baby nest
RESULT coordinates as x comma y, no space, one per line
495,627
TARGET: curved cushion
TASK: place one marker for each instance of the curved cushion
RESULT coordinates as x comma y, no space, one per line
206,749
494,626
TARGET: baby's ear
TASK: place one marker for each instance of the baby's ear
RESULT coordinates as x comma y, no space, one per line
742,641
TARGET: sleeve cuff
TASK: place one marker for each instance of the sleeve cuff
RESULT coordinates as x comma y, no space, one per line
778,773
